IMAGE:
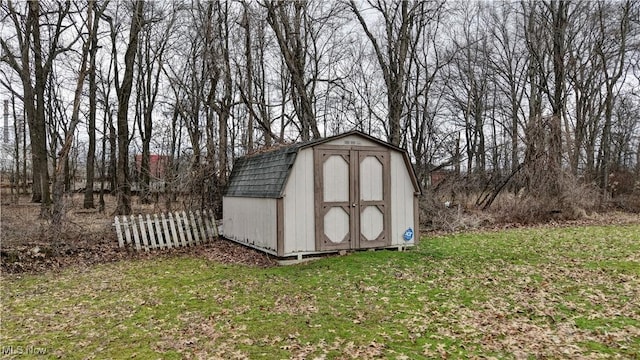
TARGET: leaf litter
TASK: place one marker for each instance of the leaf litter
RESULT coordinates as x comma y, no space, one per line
539,293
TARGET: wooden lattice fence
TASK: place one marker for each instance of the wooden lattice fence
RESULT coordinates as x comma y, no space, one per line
166,230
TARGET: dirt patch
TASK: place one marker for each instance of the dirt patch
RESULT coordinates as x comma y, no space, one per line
30,244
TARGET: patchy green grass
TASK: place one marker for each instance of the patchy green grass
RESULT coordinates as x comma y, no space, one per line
564,292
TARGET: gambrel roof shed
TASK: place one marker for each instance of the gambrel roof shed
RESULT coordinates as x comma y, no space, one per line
350,191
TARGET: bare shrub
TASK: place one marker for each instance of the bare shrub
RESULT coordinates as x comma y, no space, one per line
624,187
623,182
575,201
519,197
524,210
579,198
628,203
455,189
437,215
203,190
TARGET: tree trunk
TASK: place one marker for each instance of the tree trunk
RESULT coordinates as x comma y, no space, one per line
249,68
103,158
91,152
533,131
612,67
145,128
16,132
62,169
38,125
638,162
399,31
25,181
291,41
113,156
559,14
224,109
123,187
515,161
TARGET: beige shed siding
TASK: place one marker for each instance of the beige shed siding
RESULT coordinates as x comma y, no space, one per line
402,193
352,140
299,222
251,220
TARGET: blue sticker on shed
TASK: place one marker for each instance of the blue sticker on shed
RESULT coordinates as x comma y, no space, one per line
408,234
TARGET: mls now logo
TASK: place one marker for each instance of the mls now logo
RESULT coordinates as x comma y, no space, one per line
23,350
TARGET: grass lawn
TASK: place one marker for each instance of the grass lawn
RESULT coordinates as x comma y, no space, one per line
527,293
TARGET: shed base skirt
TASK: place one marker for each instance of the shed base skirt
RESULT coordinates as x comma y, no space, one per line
304,256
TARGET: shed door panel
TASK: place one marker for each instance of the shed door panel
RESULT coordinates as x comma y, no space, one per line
352,199
333,194
373,200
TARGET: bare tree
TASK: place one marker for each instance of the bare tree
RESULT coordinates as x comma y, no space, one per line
91,123
253,86
584,81
253,91
17,134
425,97
289,22
612,50
123,187
245,23
59,176
469,87
559,13
509,64
399,22
152,49
222,104
18,55
107,125
536,37
19,172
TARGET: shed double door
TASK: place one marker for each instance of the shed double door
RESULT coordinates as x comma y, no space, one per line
352,198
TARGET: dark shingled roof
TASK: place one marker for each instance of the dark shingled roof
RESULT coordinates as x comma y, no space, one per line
262,175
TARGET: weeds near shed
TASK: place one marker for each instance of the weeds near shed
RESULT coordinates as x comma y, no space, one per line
449,216
467,201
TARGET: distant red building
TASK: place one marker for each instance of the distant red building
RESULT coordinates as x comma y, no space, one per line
439,176
157,165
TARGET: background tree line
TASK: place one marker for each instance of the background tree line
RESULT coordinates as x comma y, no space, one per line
529,97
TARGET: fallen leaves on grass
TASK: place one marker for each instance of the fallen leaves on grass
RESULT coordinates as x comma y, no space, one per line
539,293
83,251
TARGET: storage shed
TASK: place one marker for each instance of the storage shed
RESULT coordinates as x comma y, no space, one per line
350,191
